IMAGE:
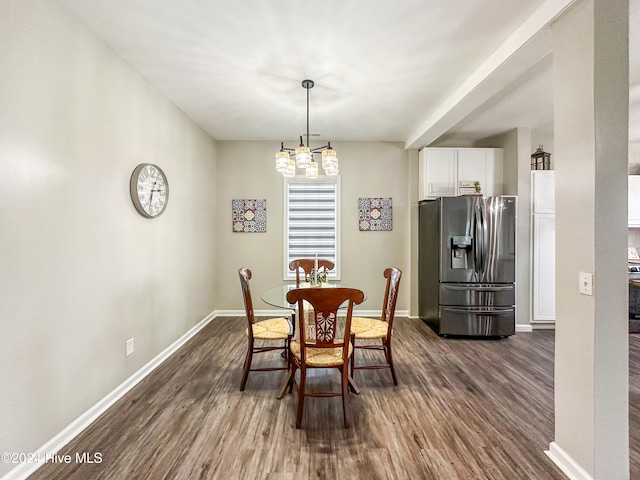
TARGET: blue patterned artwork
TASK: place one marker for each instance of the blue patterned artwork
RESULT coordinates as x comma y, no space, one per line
375,214
249,216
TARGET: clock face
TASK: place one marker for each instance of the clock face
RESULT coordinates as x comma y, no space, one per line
149,190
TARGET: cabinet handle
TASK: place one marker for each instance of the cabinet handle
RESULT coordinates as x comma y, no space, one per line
430,190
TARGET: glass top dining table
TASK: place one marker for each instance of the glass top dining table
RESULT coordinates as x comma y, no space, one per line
277,296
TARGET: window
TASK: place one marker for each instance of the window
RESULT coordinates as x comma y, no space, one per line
311,221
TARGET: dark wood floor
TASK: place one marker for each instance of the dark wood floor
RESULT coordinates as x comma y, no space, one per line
464,409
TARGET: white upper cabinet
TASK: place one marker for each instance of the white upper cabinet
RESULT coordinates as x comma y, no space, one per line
634,201
543,192
438,175
483,165
442,170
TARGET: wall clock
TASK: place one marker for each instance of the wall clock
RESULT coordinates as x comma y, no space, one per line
149,190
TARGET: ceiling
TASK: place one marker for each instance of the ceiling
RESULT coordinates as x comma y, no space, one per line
416,71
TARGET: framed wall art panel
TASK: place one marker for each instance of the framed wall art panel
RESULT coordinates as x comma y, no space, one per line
249,215
375,214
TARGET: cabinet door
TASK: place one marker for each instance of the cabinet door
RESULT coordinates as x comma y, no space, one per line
544,268
634,200
543,191
472,167
437,172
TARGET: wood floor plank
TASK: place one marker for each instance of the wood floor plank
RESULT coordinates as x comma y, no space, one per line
463,409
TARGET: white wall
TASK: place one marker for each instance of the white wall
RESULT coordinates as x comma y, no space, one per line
590,79
367,169
81,270
413,187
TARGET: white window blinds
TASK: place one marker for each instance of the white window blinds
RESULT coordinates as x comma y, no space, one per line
311,221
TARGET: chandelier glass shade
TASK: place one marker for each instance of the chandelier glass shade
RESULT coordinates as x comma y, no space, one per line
291,169
331,170
304,155
312,170
282,160
329,158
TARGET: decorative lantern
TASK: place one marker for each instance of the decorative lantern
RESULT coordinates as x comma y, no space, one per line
540,160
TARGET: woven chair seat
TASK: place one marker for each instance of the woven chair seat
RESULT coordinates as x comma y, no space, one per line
369,328
271,329
320,357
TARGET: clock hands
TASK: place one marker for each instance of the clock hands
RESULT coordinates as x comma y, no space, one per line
152,188
152,191
151,197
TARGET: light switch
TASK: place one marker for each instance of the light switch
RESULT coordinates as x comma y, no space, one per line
585,283
128,347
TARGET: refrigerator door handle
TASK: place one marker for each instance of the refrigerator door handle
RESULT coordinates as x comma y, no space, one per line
466,288
479,238
484,235
479,310
476,244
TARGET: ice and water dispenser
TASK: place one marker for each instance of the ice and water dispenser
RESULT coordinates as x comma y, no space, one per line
461,251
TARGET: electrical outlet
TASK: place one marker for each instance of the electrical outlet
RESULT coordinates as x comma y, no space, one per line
128,347
585,283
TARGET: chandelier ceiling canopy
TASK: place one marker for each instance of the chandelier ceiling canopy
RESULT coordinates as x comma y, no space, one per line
303,156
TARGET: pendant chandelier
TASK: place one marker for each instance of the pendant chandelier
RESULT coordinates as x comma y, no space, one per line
303,156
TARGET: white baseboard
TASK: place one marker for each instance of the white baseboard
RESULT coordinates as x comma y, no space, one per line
567,464
240,313
23,470
543,325
522,327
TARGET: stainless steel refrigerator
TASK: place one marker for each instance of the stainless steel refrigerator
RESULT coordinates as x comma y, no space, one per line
467,265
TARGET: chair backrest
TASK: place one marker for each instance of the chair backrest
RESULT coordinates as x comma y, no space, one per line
393,275
324,315
307,264
245,276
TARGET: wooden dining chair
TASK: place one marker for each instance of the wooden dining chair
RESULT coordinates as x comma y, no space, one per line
307,264
273,329
372,329
331,343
